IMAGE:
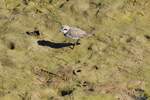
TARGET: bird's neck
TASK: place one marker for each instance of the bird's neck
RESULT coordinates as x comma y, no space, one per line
65,34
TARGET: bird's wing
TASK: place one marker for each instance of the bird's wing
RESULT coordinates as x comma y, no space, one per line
76,32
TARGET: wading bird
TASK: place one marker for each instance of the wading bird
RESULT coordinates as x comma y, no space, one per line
74,33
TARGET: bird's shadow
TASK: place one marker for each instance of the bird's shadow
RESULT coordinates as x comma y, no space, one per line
55,45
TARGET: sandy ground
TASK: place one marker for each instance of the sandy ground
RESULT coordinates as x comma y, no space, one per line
37,62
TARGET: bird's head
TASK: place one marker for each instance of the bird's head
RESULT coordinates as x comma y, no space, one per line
64,29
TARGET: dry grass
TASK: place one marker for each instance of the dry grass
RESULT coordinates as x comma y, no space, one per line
112,65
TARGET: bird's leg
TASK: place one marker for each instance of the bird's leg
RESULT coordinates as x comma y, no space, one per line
77,42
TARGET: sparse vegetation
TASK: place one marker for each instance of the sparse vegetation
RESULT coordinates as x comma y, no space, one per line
37,62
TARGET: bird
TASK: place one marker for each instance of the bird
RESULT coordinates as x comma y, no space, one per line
74,33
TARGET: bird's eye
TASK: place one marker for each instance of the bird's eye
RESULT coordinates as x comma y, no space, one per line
65,29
